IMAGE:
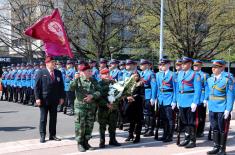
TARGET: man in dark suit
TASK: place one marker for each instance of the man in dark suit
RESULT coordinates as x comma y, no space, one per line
49,92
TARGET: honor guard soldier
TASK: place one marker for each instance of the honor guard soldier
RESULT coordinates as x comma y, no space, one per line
189,89
42,65
13,85
95,71
69,76
36,68
149,80
23,84
178,65
4,83
17,83
60,67
122,67
166,99
114,71
28,76
102,63
8,82
219,92
197,66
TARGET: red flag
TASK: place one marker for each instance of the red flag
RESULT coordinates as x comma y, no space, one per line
50,30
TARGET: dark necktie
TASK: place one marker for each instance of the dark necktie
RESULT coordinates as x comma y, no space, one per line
52,75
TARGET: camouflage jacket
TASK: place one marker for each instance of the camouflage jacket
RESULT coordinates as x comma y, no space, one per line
82,88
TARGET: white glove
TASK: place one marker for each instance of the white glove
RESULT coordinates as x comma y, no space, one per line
193,107
226,114
173,105
155,102
152,102
205,102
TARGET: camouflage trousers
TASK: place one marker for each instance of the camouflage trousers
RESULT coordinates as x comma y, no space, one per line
84,122
107,117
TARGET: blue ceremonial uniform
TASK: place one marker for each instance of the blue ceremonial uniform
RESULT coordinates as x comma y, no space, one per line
17,79
70,96
95,73
4,85
4,78
166,96
28,75
220,95
189,92
68,77
166,84
149,84
115,73
189,88
23,78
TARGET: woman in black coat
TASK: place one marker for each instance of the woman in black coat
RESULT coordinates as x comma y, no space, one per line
134,110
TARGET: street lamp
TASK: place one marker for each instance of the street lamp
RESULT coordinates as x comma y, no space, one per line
111,54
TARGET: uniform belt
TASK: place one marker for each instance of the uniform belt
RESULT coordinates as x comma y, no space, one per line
212,97
166,90
186,92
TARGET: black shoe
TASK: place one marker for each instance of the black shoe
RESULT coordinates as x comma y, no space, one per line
114,143
199,135
81,148
42,140
191,144
71,114
149,134
137,139
130,138
184,143
120,126
215,150
168,139
54,138
102,145
87,146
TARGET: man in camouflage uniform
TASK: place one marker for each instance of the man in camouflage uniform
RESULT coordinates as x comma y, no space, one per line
86,93
107,112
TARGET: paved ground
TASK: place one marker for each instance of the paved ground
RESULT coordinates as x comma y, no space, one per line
21,122
19,136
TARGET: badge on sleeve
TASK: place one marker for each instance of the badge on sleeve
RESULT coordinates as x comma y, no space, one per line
58,79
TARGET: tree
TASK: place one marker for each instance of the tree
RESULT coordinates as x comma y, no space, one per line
18,16
104,26
198,29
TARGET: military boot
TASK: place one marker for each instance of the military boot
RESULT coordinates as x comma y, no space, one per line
113,140
130,137
81,147
102,140
170,131
216,139
223,139
186,138
192,142
146,124
164,135
87,146
151,128
137,139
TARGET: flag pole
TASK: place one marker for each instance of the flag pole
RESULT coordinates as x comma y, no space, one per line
161,30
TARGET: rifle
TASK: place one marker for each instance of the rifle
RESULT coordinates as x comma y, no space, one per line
178,128
157,114
209,134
